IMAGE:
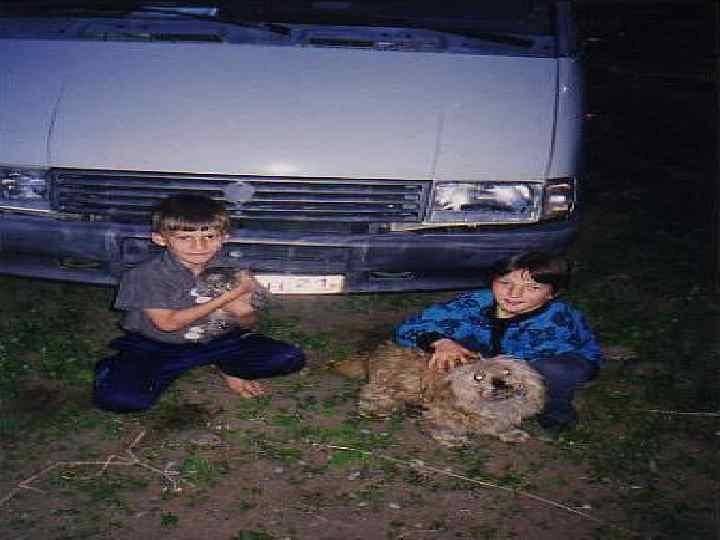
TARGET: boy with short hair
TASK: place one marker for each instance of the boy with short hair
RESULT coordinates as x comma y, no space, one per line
519,315
162,315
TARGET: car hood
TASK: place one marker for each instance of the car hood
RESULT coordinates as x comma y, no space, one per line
263,110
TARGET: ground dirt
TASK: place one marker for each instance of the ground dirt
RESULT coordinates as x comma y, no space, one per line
300,464
283,485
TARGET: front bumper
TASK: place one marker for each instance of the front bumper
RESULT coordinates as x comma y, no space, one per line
98,252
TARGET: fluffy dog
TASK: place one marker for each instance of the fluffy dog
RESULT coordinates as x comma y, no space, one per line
212,282
489,396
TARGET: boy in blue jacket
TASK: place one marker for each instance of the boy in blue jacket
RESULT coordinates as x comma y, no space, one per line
519,315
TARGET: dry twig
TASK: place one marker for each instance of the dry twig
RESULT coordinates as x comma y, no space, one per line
418,464
111,460
680,413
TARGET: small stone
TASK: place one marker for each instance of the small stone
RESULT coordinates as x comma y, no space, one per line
207,439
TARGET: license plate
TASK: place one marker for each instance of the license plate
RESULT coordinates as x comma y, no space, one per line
283,284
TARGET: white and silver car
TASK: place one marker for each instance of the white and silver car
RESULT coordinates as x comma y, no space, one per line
359,145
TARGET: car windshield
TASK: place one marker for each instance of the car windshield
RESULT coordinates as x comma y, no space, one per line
487,20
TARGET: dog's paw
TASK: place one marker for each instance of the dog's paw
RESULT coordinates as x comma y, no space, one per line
353,367
514,436
376,401
449,438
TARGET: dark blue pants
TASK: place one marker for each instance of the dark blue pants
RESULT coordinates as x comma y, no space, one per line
563,375
134,378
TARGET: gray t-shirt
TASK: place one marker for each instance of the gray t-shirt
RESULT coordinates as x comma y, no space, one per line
161,282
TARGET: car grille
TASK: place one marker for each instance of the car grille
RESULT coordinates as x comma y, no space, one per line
130,196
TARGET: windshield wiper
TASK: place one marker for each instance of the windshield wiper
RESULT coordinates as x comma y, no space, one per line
444,26
124,9
269,26
448,28
505,39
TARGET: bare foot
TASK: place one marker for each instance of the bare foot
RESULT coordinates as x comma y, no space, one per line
244,387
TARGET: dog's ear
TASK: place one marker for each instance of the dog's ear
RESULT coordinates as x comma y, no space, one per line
355,367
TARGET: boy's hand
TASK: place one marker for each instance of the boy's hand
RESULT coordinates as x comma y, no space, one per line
247,280
242,310
246,285
172,320
449,354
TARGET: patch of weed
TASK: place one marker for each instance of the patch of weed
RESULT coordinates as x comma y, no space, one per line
387,302
348,435
288,421
243,505
171,414
373,494
286,454
286,329
109,488
201,472
472,460
168,519
60,340
252,409
251,535
9,427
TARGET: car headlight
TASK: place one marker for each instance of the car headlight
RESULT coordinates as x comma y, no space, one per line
491,202
559,198
23,189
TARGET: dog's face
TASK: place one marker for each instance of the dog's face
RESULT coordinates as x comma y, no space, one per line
495,382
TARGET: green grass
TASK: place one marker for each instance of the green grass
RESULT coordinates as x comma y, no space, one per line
50,331
251,535
201,472
168,519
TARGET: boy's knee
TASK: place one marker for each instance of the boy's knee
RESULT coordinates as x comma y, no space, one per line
570,369
288,360
277,359
117,391
120,402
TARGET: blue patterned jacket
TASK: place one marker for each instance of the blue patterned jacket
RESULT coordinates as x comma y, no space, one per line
556,329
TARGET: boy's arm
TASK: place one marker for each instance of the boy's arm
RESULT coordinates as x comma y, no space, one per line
570,335
588,347
172,320
450,320
242,311
448,354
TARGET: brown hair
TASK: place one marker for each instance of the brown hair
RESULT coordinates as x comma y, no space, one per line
547,268
189,212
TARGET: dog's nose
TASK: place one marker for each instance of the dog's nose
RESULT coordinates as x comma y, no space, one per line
499,383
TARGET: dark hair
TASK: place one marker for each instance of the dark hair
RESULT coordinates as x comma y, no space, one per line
189,212
547,268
